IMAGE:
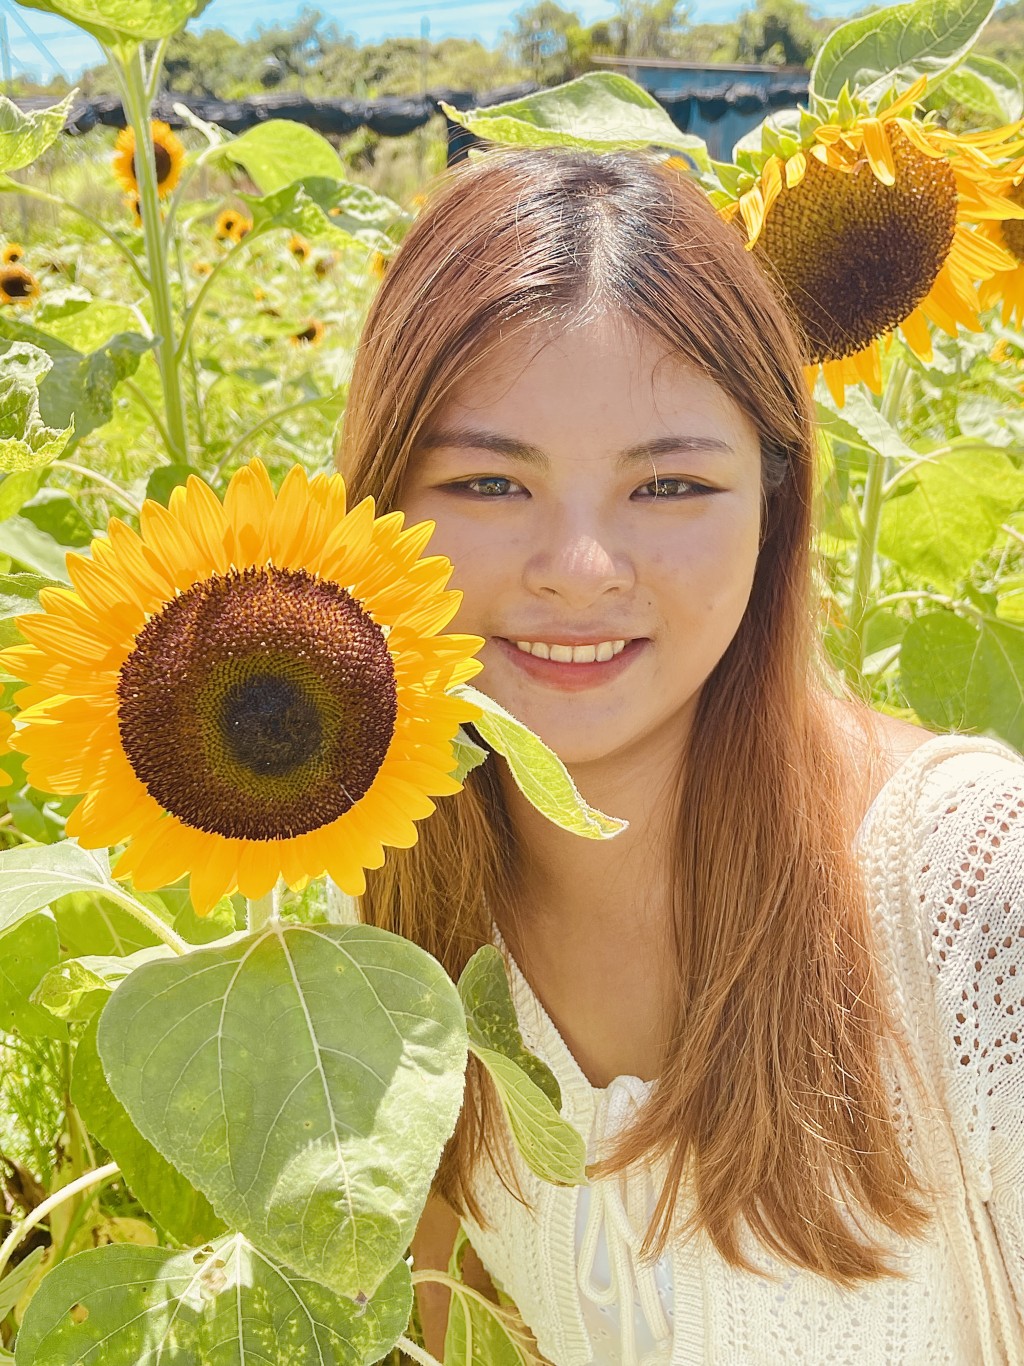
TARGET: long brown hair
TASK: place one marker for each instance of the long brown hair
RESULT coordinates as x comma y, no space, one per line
772,1100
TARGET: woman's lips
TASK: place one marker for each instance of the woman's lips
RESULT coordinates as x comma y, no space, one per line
570,677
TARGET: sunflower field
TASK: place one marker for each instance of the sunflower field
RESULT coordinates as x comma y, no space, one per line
228,692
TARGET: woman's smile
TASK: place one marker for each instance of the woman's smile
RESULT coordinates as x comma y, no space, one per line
588,665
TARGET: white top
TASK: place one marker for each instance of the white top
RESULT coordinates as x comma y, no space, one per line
943,851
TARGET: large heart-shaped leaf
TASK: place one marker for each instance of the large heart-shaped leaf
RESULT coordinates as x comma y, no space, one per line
160,1188
328,210
539,773
225,1303
600,110
278,152
966,675
305,1079
896,45
23,137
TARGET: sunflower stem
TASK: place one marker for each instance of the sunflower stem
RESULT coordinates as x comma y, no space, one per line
418,1353
106,1173
866,553
270,418
137,108
260,911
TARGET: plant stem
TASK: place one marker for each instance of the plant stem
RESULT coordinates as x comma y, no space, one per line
143,398
192,313
31,192
411,1349
193,369
260,911
125,499
58,1198
871,522
137,108
265,422
152,922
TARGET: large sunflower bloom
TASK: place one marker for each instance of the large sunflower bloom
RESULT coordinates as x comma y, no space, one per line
167,149
17,285
248,690
869,223
1007,287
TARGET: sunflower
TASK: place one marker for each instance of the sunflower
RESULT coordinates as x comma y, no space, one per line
17,285
299,247
169,153
248,690
232,225
134,206
1007,287
202,268
323,265
378,264
12,253
868,222
309,335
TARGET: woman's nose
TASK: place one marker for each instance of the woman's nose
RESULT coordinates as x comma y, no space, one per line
578,564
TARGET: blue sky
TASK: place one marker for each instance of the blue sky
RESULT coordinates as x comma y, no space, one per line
368,20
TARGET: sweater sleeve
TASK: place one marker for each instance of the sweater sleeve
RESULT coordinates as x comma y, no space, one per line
970,883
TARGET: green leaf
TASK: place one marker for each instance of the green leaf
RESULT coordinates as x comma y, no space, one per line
19,593
110,20
491,1018
166,478
16,489
600,110
25,440
77,988
549,1144
944,514
985,88
861,423
305,1079
966,675
34,549
79,387
27,950
225,1302
31,877
23,137
14,1284
480,1333
273,153
93,925
304,206
896,45
469,754
159,1187
56,512
539,774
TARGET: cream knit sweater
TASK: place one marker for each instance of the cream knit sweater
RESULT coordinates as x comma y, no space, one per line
943,851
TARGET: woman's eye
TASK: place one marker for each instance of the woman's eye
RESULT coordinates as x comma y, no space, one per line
486,486
670,488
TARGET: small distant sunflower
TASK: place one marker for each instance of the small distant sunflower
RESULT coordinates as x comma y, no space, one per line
418,201
299,247
247,690
323,265
167,149
18,286
378,264
134,207
232,225
1007,287
12,253
202,268
868,221
309,335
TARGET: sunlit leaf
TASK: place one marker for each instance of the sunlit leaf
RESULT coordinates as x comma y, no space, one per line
985,88
77,988
304,1079
897,44
539,773
224,1302
109,20
160,1188
35,549
961,674
280,151
23,137
600,110
25,440
304,206
32,877
27,949
480,1333
491,1018
549,1144
469,754
19,593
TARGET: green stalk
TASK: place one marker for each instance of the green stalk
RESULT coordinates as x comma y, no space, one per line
107,1173
260,911
137,109
866,553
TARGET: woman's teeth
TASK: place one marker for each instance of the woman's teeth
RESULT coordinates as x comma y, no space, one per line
573,654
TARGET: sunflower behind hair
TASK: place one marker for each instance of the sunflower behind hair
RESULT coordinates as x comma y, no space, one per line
168,151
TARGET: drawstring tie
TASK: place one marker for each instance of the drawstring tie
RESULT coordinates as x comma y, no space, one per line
631,1281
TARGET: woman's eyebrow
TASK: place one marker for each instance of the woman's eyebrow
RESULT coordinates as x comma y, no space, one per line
527,454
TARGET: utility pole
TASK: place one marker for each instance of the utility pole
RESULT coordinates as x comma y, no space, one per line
421,133
5,55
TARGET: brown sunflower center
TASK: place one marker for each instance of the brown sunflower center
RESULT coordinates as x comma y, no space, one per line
16,284
163,163
259,704
856,257
1013,228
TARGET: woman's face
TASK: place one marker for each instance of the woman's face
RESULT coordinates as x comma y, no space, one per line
600,500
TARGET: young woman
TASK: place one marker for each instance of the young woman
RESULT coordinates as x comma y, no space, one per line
785,1006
